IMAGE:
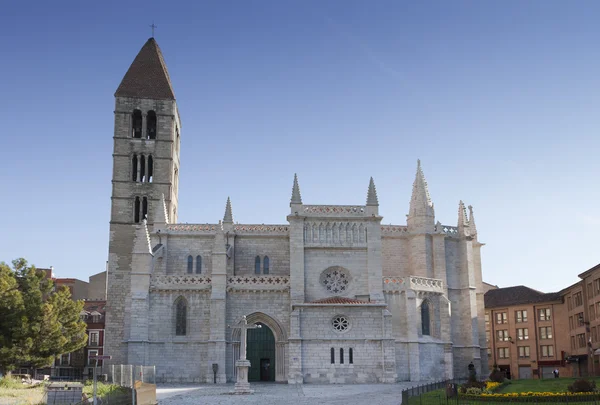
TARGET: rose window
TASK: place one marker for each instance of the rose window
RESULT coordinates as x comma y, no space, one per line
340,323
335,280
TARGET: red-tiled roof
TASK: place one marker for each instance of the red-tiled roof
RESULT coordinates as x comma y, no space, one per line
147,76
339,300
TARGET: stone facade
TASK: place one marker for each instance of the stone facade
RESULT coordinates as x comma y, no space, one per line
346,299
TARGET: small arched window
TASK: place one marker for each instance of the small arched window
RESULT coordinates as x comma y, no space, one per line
425,318
332,355
266,265
150,169
190,264
151,125
134,168
257,265
198,264
341,355
136,124
144,208
136,210
350,356
180,317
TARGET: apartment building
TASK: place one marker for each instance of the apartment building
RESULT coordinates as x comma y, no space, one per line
525,332
582,300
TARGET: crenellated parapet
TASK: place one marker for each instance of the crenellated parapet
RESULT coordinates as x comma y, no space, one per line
423,285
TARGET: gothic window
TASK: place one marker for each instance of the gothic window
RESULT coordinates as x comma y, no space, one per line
350,356
180,317
144,208
257,265
266,265
341,356
332,355
425,318
190,265
136,210
136,124
150,168
198,264
151,125
134,168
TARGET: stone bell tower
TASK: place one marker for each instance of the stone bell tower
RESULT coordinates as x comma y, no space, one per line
145,167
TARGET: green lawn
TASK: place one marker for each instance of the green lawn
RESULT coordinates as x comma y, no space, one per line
13,392
545,385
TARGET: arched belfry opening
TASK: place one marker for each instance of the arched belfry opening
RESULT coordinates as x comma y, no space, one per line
265,351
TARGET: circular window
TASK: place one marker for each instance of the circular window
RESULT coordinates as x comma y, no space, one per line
340,323
335,280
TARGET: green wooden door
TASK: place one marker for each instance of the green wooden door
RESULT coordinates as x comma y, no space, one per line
261,352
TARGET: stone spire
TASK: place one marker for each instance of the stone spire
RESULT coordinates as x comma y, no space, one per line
161,215
147,76
463,221
421,216
228,217
296,197
472,225
372,194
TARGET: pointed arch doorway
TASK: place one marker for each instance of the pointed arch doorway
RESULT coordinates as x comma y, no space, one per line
261,353
268,345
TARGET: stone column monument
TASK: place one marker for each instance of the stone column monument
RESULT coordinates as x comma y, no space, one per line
242,386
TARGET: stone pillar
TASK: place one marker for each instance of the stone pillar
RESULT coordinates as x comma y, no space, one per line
421,263
217,343
389,350
141,271
295,375
296,258
414,362
439,257
144,125
374,265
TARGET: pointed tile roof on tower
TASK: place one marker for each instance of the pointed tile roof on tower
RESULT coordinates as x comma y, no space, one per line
147,76
228,217
372,194
296,197
420,202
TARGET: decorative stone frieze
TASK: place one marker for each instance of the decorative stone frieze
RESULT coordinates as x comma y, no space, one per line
180,282
335,210
417,284
258,283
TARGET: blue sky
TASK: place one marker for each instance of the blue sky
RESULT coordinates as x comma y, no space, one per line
499,100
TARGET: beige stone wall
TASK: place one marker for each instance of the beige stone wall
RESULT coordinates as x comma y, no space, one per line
97,286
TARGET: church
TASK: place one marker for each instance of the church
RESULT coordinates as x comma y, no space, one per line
339,297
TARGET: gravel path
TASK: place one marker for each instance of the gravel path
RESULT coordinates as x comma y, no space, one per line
265,394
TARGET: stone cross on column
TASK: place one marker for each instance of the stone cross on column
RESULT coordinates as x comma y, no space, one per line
242,386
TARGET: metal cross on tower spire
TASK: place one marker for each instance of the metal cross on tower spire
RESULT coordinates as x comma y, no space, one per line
153,27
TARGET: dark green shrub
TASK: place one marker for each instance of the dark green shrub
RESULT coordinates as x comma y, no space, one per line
582,385
472,384
496,375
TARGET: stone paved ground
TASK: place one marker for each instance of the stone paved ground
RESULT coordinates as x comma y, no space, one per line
265,394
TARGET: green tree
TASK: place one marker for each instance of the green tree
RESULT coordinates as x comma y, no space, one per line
37,324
